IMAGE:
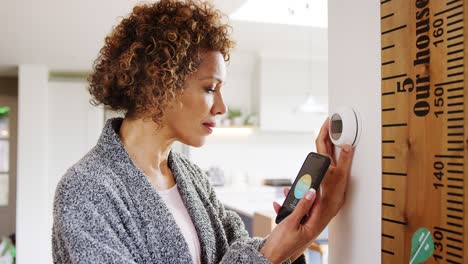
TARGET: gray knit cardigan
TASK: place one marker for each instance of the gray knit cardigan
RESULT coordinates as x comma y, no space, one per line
106,211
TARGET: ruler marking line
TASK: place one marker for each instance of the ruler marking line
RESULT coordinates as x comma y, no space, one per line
388,47
393,29
454,15
394,173
455,104
455,51
446,83
455,134
448,10
455,66
455,149
454,255
455,74
455,217
394,125
455,179
453,2
454,239
394,221
388,109
455,171
455,141
388,236
455,194
455,112
448,230
455,119
455,96
394,76
455,202
455,29
388,252
388,62
455,44
454,247
455,59
450,156
387,16
455,22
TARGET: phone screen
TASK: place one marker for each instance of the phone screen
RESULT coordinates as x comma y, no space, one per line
310,175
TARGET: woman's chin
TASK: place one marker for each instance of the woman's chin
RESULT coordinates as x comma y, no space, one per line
196,143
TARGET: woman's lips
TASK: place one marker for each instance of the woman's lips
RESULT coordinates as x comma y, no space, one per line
209,126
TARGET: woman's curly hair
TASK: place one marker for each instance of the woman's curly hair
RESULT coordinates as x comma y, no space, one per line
149,55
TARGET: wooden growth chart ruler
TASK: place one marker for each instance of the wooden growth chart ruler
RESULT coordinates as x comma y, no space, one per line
424,141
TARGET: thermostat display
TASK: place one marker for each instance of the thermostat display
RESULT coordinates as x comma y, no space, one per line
344,127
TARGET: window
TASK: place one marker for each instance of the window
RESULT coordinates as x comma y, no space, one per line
4,155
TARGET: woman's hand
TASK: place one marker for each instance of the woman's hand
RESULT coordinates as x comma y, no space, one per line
290,238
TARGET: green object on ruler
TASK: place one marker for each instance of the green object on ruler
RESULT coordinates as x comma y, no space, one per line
4,110
422,246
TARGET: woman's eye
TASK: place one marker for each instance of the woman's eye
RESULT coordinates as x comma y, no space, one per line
210,90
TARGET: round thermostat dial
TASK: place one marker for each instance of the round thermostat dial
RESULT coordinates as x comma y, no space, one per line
344,127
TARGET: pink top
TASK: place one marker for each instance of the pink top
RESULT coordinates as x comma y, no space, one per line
177,207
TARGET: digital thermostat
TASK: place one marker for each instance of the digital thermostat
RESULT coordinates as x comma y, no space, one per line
344,127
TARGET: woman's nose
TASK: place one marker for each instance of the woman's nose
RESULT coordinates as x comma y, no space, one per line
219,107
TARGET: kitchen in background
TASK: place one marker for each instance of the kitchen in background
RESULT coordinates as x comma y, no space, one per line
276,91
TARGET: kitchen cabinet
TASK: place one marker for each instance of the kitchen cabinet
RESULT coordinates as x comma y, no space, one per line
284,85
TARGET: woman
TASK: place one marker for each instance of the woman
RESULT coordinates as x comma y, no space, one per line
132,200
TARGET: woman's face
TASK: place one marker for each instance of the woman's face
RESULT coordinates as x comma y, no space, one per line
192,118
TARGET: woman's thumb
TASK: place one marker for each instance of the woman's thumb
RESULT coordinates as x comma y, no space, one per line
304,205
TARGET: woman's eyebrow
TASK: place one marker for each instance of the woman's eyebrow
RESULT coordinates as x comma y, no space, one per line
211,78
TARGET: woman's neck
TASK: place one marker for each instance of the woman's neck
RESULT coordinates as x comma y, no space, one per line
149,149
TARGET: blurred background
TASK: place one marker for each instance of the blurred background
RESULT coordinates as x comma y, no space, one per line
276,91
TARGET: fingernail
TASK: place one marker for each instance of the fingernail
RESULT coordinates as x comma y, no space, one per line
310,193
346,148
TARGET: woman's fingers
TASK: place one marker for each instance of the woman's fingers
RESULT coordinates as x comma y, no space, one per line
346,158
320,142
303,207
277,207
323,143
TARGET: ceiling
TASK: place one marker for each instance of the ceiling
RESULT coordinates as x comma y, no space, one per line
66,35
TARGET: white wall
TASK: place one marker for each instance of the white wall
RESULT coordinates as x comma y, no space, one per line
32,218
354,80
74,126
57,126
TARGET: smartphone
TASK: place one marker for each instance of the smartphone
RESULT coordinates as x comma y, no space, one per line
310,176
